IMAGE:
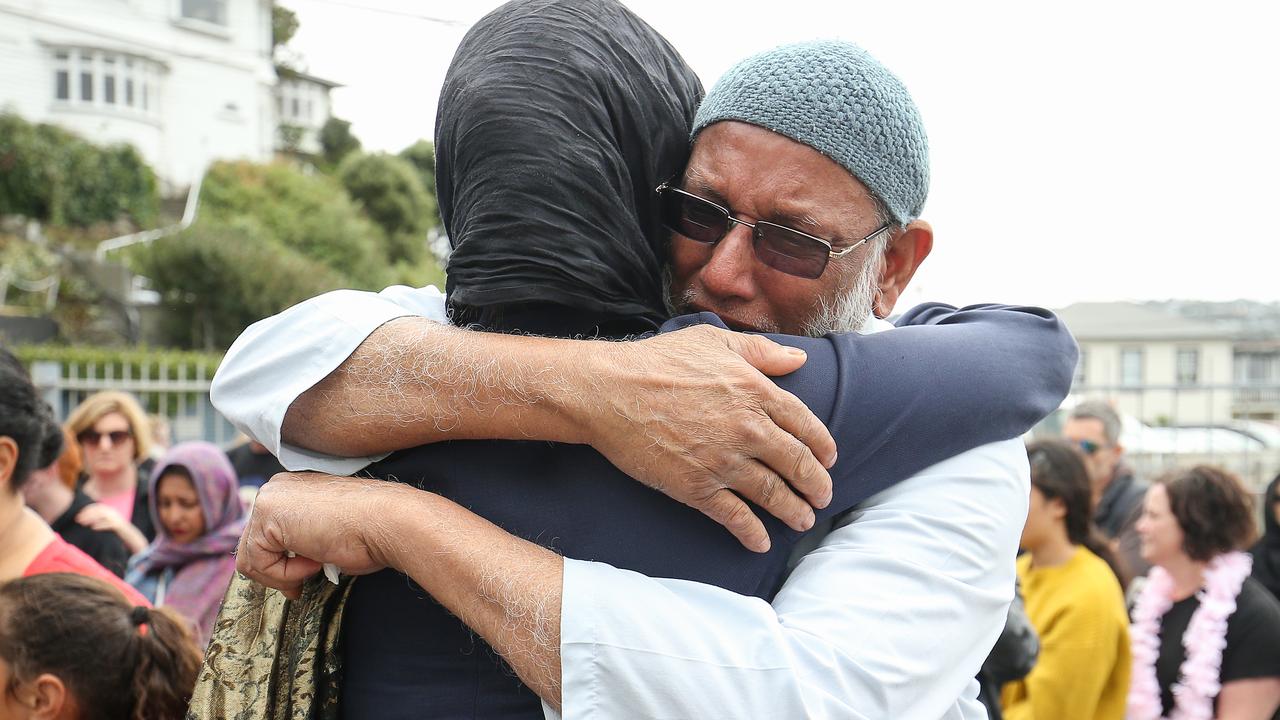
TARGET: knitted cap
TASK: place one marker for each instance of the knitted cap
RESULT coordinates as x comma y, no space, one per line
840,101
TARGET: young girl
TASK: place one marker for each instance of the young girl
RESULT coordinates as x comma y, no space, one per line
1073,598
195,504
73,647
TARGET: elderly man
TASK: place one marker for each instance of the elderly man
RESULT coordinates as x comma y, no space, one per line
1094,427
891,616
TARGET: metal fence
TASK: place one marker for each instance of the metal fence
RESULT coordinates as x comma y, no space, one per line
179,393
1232,425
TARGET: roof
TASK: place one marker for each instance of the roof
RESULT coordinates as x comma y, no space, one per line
1132,321
291,74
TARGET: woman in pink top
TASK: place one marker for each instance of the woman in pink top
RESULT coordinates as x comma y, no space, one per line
31,439
114,439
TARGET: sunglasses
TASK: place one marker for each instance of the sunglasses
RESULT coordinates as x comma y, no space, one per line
1088,447
93,437
780,247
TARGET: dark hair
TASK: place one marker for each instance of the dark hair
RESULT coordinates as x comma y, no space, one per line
27,419
90,636
1213,509
1058,472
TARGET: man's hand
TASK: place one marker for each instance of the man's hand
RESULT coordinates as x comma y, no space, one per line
693,415
300,521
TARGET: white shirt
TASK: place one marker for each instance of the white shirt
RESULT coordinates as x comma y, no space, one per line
890,617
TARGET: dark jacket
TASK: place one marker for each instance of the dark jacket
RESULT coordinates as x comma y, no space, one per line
1117,517
102,545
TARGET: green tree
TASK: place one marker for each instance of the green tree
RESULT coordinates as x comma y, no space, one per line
336,141
52,175
216,280
422,155
310,214
284,25
391,193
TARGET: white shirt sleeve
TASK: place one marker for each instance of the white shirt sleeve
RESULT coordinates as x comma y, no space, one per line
277,359
890,617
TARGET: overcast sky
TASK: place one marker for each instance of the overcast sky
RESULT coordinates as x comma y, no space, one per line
1083,151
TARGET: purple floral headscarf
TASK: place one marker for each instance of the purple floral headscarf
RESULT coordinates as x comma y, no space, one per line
204,566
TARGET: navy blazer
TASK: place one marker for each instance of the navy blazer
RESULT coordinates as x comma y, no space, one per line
945,381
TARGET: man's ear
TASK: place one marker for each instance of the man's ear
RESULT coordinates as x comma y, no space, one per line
901,258
45,698
8,461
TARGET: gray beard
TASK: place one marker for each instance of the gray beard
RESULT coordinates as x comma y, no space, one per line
846,311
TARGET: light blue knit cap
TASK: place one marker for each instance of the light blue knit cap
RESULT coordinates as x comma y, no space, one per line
837,99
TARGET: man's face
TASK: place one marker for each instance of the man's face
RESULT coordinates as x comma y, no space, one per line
761,175
1100,456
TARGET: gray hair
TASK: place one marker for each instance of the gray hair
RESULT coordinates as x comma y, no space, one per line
1101,411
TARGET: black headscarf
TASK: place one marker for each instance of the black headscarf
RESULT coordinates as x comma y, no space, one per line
1266,554
550,139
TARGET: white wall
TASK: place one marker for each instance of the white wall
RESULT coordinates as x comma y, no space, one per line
214,84
1160,398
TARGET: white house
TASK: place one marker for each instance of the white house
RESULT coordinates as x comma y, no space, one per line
1166,368
303,106
185,81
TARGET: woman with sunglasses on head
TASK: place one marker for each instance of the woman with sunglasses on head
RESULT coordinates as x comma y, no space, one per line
1206,636
115,439
1073,597
195,505
74,648
30,439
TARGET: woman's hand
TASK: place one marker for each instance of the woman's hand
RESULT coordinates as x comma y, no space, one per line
98,516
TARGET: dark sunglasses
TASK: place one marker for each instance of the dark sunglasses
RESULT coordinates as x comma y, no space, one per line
93,437
780,247
1088,447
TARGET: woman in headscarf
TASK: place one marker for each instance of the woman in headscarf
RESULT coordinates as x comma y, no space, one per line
1266,553
196,507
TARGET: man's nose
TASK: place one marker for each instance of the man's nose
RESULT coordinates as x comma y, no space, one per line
730,272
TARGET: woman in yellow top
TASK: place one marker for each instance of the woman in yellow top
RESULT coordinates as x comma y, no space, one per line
1073,599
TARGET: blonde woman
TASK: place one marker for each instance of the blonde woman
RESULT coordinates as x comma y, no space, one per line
114,437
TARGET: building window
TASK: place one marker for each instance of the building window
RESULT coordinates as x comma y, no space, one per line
1131,367
103,79
109,79
62,75
1188,366
210,11
1081,378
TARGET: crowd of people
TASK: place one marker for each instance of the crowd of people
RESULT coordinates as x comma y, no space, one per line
1185,625
113,558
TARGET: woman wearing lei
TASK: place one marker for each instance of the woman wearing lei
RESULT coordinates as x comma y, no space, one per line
1206,636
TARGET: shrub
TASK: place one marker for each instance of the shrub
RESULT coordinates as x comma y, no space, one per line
310,214
54,176
216,280
391,193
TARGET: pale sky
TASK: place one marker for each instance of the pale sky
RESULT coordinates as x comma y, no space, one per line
1084,151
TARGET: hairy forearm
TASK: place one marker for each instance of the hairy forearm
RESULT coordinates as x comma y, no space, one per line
505,589
414,381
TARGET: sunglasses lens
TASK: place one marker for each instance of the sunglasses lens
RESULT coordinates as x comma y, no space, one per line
89,437
790,252
1088,447
693,218
120,436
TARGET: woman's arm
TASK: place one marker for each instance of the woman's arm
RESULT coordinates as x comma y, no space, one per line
1252,699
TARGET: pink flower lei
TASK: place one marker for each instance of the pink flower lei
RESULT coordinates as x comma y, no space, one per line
1204,640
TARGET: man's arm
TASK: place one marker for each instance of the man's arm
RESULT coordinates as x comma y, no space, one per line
890,617
362,373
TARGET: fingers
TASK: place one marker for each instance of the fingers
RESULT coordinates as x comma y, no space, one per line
764,354
735,515
263,562
798,420
763,486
